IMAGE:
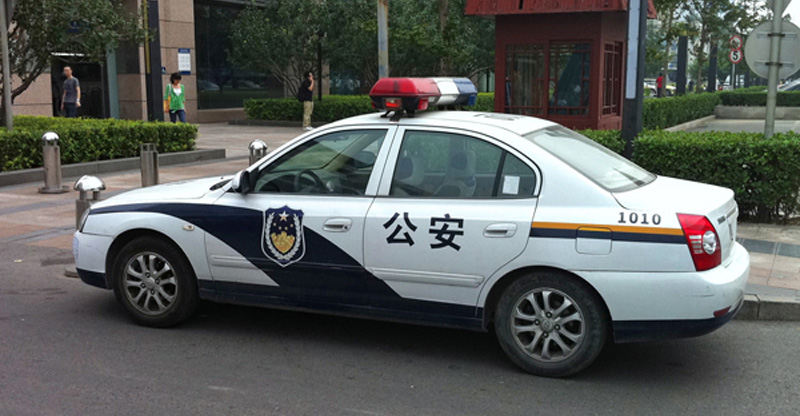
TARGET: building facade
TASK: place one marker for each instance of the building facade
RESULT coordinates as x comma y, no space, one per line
562,61
191,37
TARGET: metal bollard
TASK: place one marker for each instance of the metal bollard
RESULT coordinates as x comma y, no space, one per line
84,185
149,157
258,149
51,154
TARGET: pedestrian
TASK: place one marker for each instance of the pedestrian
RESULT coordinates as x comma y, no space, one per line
71,97
175,99
306,96
691,86
660,86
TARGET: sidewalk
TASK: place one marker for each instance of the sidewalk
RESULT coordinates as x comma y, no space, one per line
30,218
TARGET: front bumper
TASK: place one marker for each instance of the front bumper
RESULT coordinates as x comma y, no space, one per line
90,251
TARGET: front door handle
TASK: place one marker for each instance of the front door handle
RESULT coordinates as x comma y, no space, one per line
500,230
338,225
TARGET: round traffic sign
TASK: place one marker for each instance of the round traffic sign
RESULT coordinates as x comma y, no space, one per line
735,56
735,42
756,49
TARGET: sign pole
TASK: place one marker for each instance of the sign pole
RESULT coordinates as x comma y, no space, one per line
774,66
634,74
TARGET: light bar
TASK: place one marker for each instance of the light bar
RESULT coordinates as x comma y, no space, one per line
413,94
456,91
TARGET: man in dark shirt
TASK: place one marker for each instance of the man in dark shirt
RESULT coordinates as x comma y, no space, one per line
305,95
71,98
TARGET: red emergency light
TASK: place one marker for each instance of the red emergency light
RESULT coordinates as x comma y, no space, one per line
407,94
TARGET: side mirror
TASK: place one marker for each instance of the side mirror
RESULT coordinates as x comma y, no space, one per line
241,182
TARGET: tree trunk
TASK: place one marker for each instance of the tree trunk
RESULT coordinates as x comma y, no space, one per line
444,9
701,58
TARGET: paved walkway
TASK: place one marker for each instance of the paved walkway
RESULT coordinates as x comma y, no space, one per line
30,218
750,126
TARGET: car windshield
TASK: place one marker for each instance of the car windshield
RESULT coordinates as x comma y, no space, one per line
604,167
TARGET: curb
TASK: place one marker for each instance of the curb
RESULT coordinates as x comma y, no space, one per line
106,166
691,124
769,308
755,113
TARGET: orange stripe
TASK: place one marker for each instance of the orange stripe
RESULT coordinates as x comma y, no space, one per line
617,228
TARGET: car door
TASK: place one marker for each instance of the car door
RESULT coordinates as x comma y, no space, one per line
297,237
452,209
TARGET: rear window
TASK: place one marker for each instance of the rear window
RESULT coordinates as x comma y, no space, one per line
606,168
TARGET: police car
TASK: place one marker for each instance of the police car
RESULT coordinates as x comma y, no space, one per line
462,219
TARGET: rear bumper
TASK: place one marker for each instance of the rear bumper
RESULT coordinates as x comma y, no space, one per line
648,306
636,331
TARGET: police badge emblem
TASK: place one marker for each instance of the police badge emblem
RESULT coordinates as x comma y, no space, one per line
282,240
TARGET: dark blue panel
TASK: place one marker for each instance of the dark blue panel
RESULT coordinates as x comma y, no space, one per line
326,275
635,331
93,278
394,309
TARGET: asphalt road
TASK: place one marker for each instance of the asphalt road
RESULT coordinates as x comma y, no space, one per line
69,349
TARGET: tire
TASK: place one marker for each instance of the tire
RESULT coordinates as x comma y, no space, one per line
532,325
155,283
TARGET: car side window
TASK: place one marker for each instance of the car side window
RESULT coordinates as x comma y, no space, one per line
338,163
449,165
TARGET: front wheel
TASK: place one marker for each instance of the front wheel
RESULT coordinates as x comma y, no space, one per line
550,324
155,283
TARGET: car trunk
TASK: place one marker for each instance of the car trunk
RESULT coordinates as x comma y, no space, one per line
685,197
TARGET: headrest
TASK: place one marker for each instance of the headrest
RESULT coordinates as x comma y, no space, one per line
462,164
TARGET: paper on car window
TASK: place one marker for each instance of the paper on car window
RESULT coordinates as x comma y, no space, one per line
510,185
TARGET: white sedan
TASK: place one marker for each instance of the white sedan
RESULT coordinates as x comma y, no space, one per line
452,218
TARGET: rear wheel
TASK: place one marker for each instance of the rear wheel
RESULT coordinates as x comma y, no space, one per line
155,282
550,324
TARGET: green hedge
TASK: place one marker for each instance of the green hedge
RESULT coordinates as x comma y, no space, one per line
86,140
660,113
330,108
756,98
763,173
611,139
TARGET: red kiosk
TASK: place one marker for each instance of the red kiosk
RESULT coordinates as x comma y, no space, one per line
562,60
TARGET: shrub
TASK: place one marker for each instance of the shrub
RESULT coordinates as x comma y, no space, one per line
660,113
758,98
763,173
611,139
85,140
331,108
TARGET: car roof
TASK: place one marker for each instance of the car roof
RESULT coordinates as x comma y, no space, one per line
517,124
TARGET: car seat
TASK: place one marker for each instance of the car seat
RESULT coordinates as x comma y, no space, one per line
460,178
409,176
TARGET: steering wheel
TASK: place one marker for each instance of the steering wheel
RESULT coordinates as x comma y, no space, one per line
310,173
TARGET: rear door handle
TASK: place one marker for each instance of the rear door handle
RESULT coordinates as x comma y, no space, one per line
505,229
338,225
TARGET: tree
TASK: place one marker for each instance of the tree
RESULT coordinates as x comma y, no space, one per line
86,27
436,38
280,36
668,11
426,38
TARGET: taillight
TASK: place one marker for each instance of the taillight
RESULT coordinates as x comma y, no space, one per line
703,241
